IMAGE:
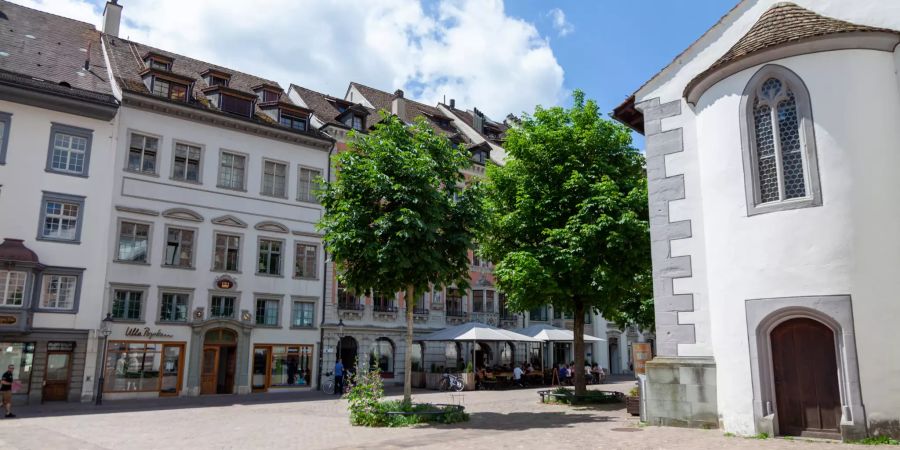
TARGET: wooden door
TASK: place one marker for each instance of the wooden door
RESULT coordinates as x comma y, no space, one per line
230,369
209,373
56,378
806,379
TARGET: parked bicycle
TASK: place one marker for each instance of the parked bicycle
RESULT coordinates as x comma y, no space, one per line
328,385
450,382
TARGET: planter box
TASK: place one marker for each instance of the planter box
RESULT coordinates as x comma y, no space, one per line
433,380
633,405
470,381
418,379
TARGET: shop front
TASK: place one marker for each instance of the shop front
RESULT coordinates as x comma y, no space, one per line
144,362
48,365
280,367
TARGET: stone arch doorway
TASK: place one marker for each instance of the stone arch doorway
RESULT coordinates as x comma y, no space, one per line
805,372
218,362
348,351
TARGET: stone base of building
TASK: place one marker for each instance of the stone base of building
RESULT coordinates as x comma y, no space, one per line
681,392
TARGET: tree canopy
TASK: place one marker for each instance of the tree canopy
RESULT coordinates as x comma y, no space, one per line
400,216
568,220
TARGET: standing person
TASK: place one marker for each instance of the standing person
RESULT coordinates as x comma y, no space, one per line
338,377
6,384
517,376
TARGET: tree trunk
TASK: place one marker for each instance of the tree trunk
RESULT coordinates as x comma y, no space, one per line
407,365
580,387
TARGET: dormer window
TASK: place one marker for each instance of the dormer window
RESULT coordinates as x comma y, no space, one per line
267,92
354,121
217,81
215,77
236,105
292,121
158,61
169,89
154,64
479,157
269,96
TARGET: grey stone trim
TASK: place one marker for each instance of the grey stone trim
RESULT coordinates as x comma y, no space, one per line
662,190
76,272
836,312
142,211
242,365
807,138
27,95
65,198
229,221
6,121
182,214
144,289
271,226
72,131
681,392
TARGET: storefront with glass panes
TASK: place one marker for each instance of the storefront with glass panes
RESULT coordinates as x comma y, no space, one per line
281,367
48,366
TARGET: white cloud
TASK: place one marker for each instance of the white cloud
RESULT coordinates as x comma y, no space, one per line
469,50
560,24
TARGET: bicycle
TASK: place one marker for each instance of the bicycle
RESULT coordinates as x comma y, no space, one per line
450,382
328,385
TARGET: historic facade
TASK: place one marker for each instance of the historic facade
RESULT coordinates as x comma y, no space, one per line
773,277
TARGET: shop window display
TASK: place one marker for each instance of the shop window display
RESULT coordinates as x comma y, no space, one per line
20,355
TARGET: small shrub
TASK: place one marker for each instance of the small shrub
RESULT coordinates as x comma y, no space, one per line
761,436
634,392
364,399
469,367
877,440
729,434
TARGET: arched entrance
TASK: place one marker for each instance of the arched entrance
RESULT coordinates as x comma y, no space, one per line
217,366
483,355
804,367
348,352
615,360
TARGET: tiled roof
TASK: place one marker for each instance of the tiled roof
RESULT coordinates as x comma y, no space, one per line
468,117
324,106
48,52
787,22
382,100
126,58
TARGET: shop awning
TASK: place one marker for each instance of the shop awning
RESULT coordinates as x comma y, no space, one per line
549,333
474,331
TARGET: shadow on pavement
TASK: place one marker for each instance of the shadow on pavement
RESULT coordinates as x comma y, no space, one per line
527,420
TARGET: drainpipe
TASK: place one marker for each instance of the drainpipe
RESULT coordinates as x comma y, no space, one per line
324,286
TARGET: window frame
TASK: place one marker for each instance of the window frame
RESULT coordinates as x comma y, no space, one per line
119,222
27,288
192,263
55,128
142,288
175,144
170,84
806,130
159,143
61,198
267,298
246,157
304,300
77,273
287,178
6,120
280,273
240,253
311,198
163,290
315,246
292,119
235,306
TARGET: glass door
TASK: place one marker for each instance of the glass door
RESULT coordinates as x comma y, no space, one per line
261,368
170,380
56,380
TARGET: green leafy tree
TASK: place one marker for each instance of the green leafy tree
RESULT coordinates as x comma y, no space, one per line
400,216
568,220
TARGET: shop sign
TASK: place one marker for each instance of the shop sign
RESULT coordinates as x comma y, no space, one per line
146,332
642,352
8,320
225,282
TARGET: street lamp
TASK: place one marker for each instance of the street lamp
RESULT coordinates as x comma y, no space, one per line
105,330
340,336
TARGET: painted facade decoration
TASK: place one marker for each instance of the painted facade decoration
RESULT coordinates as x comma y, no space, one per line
765,198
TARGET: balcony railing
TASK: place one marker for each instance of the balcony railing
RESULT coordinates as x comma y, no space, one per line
455,313
420,311
506,315
350,306
384,308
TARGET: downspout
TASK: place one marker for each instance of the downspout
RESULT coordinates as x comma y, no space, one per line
325,279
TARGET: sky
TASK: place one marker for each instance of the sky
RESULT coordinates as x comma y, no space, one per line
501,57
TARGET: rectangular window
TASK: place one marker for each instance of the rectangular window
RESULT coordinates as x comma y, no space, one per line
217,81
179,247
12,287
235,105
228,252
302,314
269,96
141,366
478,301
173,306
221,306
60,220
267,312
186,166
269,257
305,260
68,153
347,300
383,302
158,64
20,355
134,242
307,184
455,306
58,292
274,181
538,314
291,366
231,171
294,122
142,151
357,123
127,304
5,122
170,90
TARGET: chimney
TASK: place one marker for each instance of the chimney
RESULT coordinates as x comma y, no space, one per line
452,103
112,17
398,106
478,121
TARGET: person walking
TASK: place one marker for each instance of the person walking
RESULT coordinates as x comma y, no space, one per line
6,385
517,376
338,377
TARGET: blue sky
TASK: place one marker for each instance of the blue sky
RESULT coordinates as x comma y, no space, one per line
498,56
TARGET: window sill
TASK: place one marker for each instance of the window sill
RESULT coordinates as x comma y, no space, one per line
127,320
61,241
303,327
131,263
173,322
167,266
785,205
221,318
138,172
271,327
262,194
71,174
227,188
237,272
269,275
56,311
306,278
197,183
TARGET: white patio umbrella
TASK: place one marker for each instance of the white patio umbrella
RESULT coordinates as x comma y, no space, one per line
550,334
473,332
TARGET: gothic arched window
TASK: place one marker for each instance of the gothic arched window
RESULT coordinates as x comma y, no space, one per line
780,167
